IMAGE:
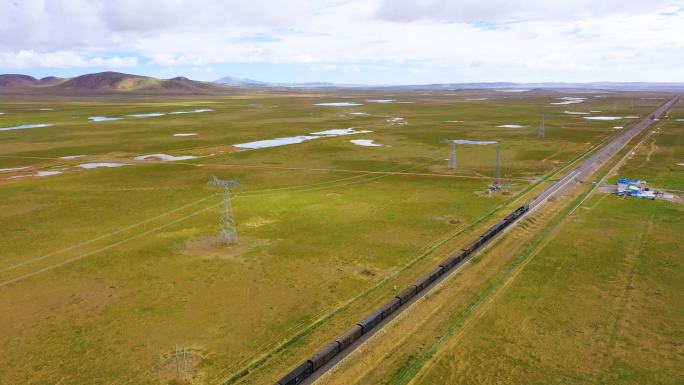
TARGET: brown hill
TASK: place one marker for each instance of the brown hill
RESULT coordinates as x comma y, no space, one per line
52,80
105,83
16,80
120,82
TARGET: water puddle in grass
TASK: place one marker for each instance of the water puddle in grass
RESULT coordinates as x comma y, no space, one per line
400,121
102,118
358,113
165,157
476,142
381,101
25,126
680,164
340,131
575,113
185,134
298,139
603,118
680,120
71,157
150,115
631,117
516,90
275,142
39,174
511,126
595,111
566,100
48,173
46,109
453,121
199,110
476,99
2,113
101,164
13,169
365,143
338,104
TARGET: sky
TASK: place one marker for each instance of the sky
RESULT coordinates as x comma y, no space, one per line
355,42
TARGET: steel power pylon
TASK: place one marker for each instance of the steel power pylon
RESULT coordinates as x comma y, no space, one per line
452,154
541,126
227,229
497,172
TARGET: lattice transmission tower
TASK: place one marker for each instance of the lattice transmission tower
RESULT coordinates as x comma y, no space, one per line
541,126
452,154
227,229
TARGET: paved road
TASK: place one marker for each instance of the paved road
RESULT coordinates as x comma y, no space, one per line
598,159
585,169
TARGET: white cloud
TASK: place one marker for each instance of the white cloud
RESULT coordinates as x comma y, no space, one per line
61,59
474,40
490,11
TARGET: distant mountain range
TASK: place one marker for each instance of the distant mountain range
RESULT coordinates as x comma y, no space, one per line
106,82
116,82
243,82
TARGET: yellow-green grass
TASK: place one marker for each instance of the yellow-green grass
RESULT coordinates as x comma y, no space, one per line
657,160
119,265
601,302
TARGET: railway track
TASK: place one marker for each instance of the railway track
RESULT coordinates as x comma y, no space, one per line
328,356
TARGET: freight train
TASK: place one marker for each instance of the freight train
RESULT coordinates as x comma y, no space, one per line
347,338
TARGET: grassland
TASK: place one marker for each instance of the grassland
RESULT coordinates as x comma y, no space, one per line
596,299
102,271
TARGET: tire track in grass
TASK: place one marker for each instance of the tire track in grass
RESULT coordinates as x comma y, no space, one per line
632,261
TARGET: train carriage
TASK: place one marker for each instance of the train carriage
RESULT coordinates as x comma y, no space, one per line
369,322
407,294
297,375
452,261
324,355
390,307
347,338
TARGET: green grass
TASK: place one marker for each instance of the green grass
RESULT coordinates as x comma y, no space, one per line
110,310
601,303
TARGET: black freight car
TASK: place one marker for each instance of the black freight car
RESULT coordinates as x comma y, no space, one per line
450,262
390,307
407,294
422,283
436,273
324,355
470,248
348,337
369,322
298,375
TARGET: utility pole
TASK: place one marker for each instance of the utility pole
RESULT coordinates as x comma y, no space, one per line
541,127
227,228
